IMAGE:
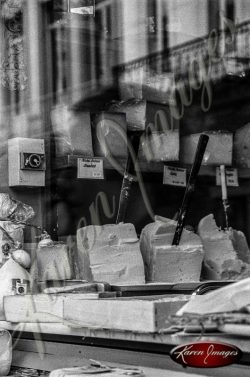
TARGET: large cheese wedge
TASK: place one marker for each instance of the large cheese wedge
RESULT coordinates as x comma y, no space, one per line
227,255
110,253
167,263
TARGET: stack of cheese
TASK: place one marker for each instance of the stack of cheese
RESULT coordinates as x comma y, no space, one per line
110,253
167,263
227,255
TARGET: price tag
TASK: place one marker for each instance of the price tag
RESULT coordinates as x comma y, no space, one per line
231,177
174,176
90,168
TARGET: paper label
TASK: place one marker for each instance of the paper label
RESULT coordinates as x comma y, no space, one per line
174,176
231,177
90,168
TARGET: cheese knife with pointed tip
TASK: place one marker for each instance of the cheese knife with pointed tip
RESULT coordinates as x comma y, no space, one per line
202,144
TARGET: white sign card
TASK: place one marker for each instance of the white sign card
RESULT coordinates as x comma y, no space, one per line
231,177
174,176
90,168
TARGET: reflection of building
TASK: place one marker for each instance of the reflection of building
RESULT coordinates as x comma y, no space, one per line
71,58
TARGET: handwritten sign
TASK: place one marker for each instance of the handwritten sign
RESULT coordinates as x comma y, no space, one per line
174,176
90,168
231,177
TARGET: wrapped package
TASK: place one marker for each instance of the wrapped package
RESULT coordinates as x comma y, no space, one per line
135,111
72,130
227,256
166,263
15,211
110,253
109,134
219,149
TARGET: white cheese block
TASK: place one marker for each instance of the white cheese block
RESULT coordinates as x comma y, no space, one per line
227,255
160,146
53,263
167,263
109,134
135,111
219,148
110,253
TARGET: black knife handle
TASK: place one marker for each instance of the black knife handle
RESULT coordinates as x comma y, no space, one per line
202,144
200,151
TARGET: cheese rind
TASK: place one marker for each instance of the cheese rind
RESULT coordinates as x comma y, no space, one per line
166,263
227,255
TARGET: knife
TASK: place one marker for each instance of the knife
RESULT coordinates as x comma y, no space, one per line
202,144
224,194
128,177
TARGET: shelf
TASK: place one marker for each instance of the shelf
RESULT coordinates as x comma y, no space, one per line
70,161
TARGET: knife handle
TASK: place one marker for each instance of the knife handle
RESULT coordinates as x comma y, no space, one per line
201,148
128,177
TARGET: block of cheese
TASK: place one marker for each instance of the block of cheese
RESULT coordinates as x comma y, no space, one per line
54,262
110,253
109,134
160,142
242,146
219,148
160,146
167,263
135,111
72,130
227,256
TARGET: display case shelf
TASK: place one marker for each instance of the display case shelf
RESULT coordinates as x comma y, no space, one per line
70,161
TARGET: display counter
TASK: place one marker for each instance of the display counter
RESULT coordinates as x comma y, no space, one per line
51,346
